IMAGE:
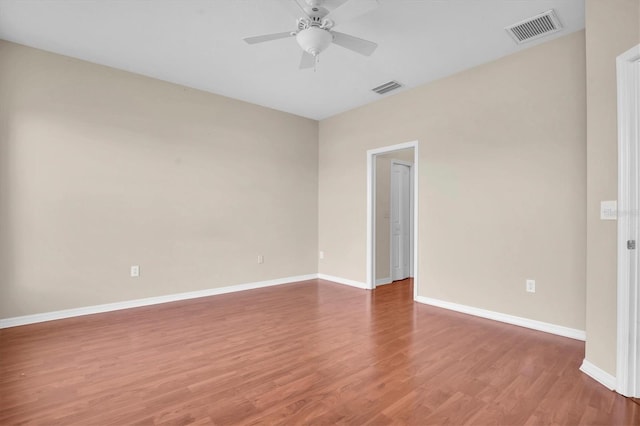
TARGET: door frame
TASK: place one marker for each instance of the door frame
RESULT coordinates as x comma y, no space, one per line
411,218
371,217
628,333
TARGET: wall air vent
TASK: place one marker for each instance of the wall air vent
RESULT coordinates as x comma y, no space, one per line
534,28
387,87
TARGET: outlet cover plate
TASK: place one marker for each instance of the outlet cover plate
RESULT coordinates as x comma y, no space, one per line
135,271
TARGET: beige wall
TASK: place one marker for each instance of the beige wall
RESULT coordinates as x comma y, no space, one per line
102,169
502,183
612,27
383,204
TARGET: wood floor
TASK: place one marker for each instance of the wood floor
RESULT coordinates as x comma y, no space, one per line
307,353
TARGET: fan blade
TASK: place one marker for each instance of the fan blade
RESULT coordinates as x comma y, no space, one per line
351,9
307,60
294,8
268,37
358,45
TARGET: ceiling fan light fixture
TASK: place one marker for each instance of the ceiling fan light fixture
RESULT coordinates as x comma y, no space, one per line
314,40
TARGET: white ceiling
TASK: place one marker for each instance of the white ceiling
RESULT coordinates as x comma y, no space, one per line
198,43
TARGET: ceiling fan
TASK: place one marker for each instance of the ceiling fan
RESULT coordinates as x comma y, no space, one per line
315,29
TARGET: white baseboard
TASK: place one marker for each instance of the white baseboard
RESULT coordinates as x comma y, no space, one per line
96,309
598,375
383,281
509,319
344,281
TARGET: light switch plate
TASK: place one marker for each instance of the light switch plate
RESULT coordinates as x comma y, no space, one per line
609,210
531,286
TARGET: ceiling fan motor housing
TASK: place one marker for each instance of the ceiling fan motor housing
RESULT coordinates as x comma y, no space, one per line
314,40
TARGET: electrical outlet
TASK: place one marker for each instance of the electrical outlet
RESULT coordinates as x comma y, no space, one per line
531,286
321,254
135,271
260,258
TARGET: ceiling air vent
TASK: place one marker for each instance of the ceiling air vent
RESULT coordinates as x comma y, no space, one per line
387,87
533,28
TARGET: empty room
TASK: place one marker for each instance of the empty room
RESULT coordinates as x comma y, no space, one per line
234,212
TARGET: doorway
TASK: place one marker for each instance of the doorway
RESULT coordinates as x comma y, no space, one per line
392,193
628,347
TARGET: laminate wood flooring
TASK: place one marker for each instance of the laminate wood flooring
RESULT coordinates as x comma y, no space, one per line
305,353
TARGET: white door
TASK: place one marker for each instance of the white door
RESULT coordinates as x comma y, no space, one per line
400,221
